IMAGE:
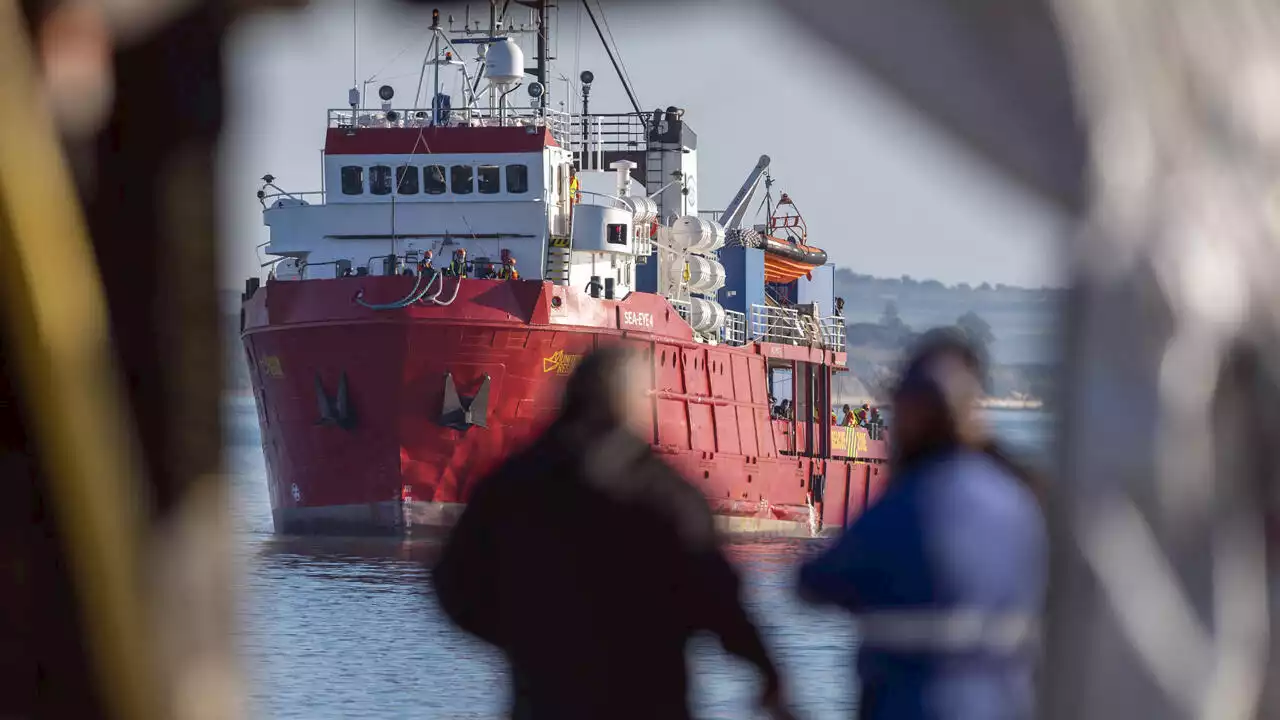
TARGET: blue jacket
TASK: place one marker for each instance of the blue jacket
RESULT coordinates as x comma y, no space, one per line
956,535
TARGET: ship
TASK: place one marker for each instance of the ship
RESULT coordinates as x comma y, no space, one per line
422,310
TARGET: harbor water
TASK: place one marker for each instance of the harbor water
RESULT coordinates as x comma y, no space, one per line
348,628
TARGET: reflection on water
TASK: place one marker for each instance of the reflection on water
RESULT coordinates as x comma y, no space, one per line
348,627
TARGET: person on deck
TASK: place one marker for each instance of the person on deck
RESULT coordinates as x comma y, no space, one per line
860,417
783,411
848,419
508,269
458,266
875,423
425,263
590,563
946,572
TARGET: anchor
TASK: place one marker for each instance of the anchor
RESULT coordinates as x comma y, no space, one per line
461,413
335,412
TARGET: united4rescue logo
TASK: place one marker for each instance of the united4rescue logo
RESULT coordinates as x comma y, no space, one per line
271,367
560,363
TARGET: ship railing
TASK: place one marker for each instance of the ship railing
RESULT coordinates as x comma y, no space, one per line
555,121
681,306
734,330
621,132
311,197
769,323
642,243
833,333
612,201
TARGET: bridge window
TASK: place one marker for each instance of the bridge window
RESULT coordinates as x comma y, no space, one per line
407,179
461,179
380,179
433,180
352,180
517,179
490,176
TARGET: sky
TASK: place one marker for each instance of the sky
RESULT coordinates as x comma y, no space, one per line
881,190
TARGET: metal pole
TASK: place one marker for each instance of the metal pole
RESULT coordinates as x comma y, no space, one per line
544,42
435,55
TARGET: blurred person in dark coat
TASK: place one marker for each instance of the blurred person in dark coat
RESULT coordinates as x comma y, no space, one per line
946,573
590,563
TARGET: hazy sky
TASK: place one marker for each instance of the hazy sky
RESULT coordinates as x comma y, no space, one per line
881,191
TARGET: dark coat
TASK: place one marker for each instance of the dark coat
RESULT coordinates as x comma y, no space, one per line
590,564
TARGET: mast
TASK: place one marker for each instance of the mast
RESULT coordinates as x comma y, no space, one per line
622,78
544,46
435,56
542,65
493,33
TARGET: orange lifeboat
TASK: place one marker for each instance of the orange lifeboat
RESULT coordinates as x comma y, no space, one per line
786,256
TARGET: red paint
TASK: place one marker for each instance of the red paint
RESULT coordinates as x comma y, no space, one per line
710,402
436,140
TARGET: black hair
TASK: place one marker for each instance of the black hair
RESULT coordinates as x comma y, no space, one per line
594,395
919,380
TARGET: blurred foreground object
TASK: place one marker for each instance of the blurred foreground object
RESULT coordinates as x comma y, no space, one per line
991,73
75,642
1172,421
623,552
117,558
946,573
1162,597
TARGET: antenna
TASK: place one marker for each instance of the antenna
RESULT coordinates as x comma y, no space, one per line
355,42
502,30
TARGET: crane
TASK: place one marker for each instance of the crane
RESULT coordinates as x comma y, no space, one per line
732,215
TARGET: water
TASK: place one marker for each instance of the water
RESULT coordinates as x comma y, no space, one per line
344,628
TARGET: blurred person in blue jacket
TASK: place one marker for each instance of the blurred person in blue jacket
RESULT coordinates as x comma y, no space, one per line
946,573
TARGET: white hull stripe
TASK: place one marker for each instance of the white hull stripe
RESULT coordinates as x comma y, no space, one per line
946,631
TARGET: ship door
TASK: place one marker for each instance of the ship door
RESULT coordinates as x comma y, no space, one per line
559,200
817,380
781,380
810,419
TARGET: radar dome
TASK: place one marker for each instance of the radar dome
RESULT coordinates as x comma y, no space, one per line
504,63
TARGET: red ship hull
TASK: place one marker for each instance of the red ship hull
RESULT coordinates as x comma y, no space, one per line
373,421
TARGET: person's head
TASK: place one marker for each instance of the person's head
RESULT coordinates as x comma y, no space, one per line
935,403
866,406
846,407
608,391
